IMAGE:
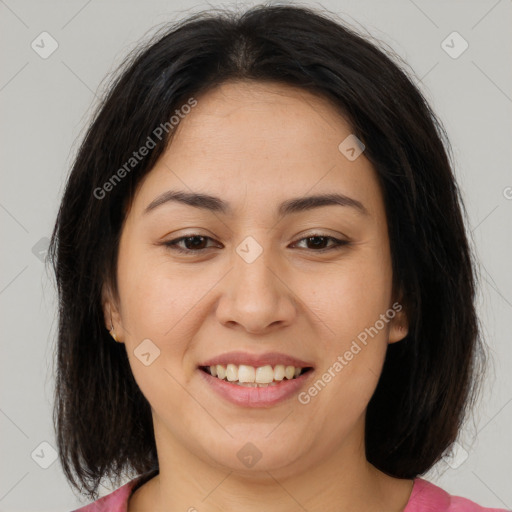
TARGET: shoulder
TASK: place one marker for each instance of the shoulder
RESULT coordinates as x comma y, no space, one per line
117,501
428,497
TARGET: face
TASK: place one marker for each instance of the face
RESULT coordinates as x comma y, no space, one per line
259,275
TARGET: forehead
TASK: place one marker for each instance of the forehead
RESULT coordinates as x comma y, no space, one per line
269,113
259,142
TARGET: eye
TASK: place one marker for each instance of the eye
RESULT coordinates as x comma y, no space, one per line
318,242
196,243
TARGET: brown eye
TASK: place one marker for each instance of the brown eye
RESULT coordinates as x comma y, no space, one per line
317,243
191,243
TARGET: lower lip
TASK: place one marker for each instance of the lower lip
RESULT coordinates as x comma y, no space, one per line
253,396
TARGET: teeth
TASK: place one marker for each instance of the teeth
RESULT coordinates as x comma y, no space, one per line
264,375
246,373
289,372
220,370
231,372
279,372
251,376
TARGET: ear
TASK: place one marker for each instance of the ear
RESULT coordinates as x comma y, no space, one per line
399,324
111,314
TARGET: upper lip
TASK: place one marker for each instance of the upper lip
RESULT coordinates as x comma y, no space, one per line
256,360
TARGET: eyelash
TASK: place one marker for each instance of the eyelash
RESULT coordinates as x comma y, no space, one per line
172,244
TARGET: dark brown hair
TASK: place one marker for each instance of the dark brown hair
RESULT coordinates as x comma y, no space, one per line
429,380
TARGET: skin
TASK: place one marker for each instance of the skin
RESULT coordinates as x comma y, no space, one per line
255,145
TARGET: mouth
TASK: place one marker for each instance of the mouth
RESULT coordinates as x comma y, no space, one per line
255,377
255,380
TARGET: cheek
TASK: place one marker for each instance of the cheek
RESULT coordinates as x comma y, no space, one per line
159,304
351,296
350,302
157,295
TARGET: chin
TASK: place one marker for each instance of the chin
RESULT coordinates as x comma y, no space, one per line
254,452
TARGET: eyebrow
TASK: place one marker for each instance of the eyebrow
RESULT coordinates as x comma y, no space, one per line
290,206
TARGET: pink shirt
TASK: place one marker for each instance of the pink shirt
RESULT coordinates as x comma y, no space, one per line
425,497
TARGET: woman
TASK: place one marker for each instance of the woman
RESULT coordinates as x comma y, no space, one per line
266,290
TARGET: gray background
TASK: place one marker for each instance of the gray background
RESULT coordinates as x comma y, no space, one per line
45,105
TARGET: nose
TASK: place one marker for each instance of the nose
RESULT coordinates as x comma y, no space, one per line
256,296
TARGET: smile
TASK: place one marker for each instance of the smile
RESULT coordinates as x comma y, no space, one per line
249,376
249,386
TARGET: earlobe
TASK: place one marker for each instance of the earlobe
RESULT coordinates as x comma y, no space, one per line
399,327
397,333
110,314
